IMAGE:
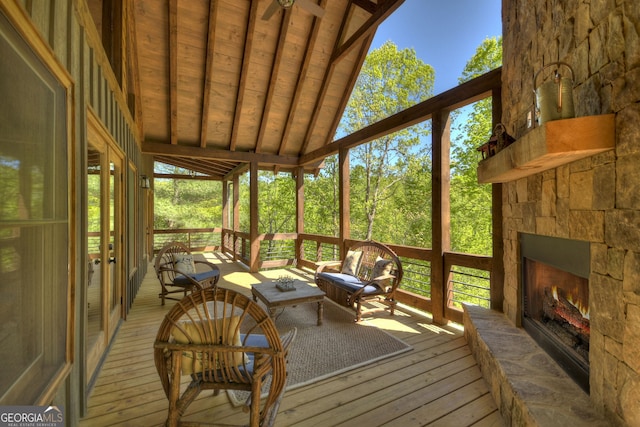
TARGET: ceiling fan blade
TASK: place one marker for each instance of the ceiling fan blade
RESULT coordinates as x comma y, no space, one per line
311,7
273,8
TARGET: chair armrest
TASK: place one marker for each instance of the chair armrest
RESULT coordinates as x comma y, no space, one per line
322,265
177,273
211,266
378,282
375,280
162,267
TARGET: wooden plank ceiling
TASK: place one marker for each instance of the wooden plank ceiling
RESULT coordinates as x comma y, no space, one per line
221,86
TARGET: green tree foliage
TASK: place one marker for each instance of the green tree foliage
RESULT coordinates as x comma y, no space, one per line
93,202
321,193
411,208
488,57
390,81
276,210
186,203
276,202
470,201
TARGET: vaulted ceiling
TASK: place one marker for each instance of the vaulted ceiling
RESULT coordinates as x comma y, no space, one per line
222,83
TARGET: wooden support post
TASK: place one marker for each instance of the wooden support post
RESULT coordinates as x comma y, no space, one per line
254,255
225,213
225,204
441,240
299,211
236,213
345,195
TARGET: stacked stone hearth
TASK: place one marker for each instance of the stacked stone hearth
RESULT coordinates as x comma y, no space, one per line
596,199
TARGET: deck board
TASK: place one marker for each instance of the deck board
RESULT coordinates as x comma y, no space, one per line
438,383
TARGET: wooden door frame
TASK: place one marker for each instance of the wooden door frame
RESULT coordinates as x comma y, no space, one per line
98,136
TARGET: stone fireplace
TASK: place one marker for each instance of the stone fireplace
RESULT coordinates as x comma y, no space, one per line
594,200
555,300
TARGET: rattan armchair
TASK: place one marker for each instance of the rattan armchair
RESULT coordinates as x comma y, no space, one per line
223,340
179,272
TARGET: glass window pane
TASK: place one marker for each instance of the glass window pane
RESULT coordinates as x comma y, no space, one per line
94,224
33,222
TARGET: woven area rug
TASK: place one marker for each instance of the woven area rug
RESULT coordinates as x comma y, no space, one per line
337,346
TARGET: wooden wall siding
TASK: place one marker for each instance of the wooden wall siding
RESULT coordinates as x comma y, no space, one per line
105,84
68,29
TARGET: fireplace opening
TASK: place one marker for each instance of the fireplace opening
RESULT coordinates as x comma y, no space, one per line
555,300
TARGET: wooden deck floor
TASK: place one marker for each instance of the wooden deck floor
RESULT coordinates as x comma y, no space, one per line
437,383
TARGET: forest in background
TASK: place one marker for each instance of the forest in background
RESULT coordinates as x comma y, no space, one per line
390,177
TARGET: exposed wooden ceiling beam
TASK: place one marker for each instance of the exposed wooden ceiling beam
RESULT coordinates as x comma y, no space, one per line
208,71
178,176
199,165
183,163
362,55
238,170
302,75
244,73
173,69
160,149
324,86
367,5
225,84
134,72
285,24
382,12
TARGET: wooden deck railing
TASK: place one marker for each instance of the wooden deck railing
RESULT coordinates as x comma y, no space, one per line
468,275
197,239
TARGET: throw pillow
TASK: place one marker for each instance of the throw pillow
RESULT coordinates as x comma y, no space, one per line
203,332
382,267
184,263
351,262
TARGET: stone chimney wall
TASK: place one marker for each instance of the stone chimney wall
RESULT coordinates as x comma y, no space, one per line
596,199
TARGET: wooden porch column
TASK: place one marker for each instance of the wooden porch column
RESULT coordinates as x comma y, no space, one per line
345,195
299,211
497,267
441,238
236,213
253,218
225,211
225,204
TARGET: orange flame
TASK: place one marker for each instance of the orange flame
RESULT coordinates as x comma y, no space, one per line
584,309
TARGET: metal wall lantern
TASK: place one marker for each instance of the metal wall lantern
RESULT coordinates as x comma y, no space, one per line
144,181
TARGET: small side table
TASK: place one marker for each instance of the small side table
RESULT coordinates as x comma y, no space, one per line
273,297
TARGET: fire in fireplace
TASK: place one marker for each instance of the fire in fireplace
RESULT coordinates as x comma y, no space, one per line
555,309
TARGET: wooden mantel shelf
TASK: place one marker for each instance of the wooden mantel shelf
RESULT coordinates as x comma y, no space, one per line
553,144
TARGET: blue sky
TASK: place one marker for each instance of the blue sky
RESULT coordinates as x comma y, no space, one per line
444,34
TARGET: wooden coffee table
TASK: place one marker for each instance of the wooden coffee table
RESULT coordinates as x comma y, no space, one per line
273,297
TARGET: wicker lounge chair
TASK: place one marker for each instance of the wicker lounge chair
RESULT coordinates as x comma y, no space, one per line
222,340
179,272
370,270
